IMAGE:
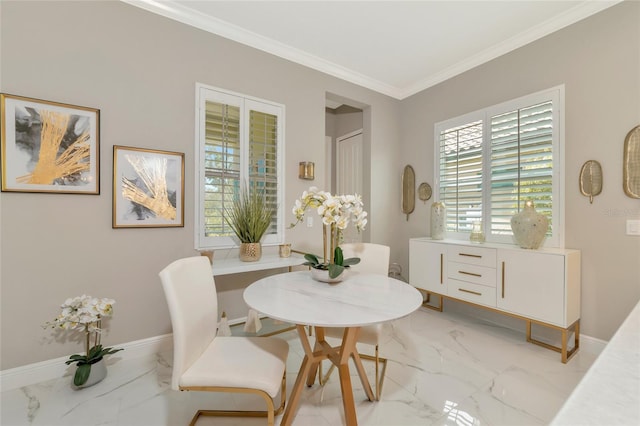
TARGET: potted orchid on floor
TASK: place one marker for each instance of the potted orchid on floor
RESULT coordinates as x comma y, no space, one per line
337,212
85,313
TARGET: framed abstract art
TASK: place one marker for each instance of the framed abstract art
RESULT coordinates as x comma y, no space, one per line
49,146
148,188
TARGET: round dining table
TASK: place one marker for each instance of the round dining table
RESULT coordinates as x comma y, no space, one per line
359,300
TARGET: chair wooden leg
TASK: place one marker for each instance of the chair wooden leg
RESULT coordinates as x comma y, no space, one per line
377,375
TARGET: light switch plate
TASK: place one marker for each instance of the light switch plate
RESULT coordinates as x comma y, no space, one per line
633,227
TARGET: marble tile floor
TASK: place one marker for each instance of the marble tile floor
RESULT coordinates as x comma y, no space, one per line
444,369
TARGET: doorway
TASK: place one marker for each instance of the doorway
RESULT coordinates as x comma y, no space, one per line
349,163
347,155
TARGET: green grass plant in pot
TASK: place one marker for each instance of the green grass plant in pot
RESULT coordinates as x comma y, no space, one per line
249,217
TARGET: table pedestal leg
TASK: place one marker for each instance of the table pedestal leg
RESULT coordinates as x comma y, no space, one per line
340,358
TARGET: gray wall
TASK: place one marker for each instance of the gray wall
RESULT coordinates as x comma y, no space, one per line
598,61
140,70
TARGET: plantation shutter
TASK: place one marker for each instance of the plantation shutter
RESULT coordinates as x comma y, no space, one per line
521,163
240,144
460,175
221,165
263,159
490,161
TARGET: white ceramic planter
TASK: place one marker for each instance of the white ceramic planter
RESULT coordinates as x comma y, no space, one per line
97,374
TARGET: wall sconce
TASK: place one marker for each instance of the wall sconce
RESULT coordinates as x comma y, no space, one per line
305,170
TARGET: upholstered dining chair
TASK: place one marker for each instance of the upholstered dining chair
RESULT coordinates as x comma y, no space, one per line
203,361
374,259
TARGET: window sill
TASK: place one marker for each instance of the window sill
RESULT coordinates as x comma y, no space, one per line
227,262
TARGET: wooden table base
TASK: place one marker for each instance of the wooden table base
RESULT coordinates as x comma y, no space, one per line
339,356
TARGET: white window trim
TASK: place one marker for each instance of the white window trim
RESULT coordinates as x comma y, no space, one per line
556,95
231,98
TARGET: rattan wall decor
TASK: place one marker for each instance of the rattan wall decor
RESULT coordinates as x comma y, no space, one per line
408,190
631,163
591,179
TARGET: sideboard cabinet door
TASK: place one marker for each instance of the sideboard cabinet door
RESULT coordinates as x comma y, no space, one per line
427,266
532,284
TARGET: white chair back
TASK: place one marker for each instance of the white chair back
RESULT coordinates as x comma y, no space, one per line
374,258
193,305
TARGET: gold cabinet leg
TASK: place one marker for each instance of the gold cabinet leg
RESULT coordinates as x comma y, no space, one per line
564,351
427,300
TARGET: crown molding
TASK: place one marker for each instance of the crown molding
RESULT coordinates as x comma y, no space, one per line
573,15
178,12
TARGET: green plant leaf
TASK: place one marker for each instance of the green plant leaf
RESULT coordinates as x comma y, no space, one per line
351,261
76,358
94,352
249,215
321,266
337,257
335,270
82,374
312,259
107,351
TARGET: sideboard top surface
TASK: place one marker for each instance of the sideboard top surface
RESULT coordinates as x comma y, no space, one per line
547,250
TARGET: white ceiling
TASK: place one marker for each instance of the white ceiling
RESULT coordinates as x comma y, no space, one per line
397,48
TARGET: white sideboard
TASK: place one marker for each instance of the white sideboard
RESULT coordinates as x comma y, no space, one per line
538,286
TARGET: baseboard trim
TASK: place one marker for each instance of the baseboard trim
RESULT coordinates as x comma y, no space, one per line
592,345
30,374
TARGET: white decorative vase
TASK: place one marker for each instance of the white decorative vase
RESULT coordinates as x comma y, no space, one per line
529,227
322,275
97,374
438,218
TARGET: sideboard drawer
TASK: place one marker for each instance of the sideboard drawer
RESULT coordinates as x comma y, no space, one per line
472,273
480,256
474,293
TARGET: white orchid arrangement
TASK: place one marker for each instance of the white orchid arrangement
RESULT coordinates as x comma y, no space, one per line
85,313
337,212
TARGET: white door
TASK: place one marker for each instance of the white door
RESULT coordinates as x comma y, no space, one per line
328,155
349,172
349,163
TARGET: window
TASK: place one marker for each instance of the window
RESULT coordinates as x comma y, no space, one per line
239,144
490,161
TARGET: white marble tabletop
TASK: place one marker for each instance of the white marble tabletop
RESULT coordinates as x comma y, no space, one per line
609,394
359,300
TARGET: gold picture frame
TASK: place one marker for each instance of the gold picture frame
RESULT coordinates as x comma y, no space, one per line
148,188
49,146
